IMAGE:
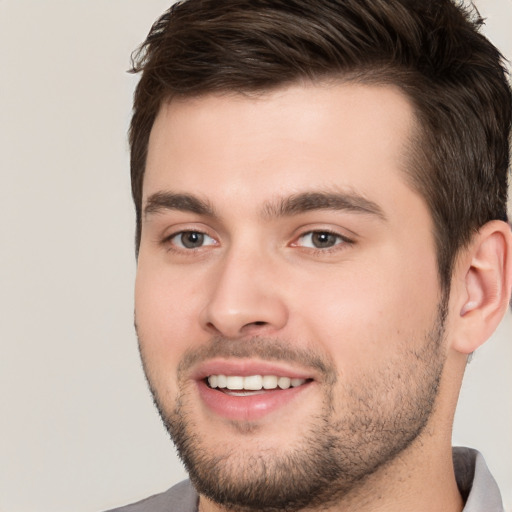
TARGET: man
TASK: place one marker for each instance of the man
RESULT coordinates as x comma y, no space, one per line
322,242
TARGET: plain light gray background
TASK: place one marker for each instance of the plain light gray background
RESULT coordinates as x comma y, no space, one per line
77,427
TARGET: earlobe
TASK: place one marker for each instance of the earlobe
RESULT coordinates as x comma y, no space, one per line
486,269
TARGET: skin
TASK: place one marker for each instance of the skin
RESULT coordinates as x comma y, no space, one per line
368,306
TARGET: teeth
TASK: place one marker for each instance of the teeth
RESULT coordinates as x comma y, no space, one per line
270,382
253,382
221,381
284,382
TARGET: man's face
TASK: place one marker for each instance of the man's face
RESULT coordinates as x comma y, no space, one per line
283,252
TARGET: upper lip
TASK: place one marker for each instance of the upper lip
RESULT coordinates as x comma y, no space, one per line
248,367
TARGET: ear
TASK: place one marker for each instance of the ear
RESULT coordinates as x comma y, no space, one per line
483,282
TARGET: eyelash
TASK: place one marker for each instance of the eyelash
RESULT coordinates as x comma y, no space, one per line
339,245
343,241
167,241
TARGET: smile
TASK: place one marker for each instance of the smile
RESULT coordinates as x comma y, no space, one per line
248,390
252,382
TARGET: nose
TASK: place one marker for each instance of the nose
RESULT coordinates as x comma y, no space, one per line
245,298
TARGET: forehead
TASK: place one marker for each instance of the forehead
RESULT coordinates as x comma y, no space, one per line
303,137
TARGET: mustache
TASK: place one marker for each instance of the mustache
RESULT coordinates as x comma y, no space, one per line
258,347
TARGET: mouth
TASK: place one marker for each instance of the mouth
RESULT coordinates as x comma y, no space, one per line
237,385
248,391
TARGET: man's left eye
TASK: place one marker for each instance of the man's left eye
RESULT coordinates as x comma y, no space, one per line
320,240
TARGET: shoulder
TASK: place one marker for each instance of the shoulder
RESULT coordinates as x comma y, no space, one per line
180,498
476,484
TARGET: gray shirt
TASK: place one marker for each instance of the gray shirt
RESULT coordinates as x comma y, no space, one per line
476,485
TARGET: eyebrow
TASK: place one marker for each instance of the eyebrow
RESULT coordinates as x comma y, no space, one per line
283,207
162,201
309,201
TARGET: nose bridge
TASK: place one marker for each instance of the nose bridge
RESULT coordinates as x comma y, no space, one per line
245,295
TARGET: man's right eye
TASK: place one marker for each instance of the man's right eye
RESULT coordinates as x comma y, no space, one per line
191,240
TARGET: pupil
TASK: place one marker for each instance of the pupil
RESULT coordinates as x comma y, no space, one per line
192,239
322,240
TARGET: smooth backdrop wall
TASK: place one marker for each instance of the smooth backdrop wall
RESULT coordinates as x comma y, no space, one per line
77,427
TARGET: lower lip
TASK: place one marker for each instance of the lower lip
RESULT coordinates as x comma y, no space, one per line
247,408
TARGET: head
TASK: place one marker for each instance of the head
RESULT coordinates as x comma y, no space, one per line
307,176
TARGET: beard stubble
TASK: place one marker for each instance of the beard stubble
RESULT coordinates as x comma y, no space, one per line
382,414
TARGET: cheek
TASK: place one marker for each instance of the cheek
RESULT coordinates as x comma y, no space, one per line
364,313
164,318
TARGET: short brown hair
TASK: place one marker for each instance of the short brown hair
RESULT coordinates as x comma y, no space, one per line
433,51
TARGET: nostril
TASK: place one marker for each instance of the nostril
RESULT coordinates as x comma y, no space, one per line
254,327
212,327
